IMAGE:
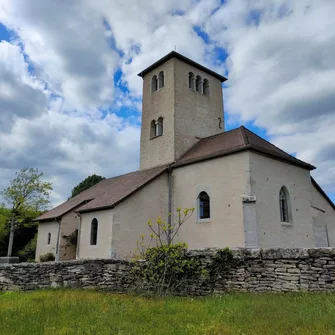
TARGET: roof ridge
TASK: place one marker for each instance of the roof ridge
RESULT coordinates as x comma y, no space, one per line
125,174
272,144
197,143
244,135
323,193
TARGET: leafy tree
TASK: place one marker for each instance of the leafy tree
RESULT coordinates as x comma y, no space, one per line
27,195
85,184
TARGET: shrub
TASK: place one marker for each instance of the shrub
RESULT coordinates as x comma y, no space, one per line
48,257
27,254
166,268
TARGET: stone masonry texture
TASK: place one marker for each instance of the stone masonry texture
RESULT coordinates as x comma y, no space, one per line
256,270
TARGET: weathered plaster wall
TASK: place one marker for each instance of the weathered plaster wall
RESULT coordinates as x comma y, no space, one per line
132,215
103,248
69,223
323,214
187,114
159,150
267,177
196,115
273,270
225,180
42,246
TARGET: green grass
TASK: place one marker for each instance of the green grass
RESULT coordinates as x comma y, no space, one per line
88,312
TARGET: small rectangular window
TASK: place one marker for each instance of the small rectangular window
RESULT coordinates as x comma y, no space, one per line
94,232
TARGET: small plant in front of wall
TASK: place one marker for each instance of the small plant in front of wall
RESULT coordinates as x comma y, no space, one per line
221,264
48,257
72,238
161,263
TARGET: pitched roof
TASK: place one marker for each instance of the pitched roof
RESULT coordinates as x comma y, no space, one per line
233,141
184,59
106,194
323,193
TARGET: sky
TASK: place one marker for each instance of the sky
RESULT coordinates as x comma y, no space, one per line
70,97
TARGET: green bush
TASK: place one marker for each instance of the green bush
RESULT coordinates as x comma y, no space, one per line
27,254
166,268
48,257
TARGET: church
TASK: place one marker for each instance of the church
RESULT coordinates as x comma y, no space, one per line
246,191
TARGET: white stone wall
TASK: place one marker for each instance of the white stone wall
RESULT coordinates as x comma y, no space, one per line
103,248
225,180
131,216
267,177
323,213
42,246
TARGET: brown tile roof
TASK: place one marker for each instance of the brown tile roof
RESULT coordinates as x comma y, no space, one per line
105,194
108,193
184,59
233,141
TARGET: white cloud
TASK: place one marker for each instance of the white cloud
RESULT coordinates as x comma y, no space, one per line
281,70
20,94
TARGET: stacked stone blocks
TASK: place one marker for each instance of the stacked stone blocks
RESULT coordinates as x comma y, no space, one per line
255,270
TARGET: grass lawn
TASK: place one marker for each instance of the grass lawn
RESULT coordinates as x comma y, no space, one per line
59,312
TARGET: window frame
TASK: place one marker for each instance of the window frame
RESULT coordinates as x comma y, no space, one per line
154,83
285,207
94,232
160,80
200,206
191,81
206,90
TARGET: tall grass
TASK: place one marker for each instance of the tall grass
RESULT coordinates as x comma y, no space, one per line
70,312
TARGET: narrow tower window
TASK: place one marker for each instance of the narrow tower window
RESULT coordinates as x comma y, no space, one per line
199,84
203,206
206,87
49,238
94,232
154,83
153,129
159,127
191,81
161,79
284,205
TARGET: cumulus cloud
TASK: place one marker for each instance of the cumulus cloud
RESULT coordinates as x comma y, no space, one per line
74,65
281,67
21,96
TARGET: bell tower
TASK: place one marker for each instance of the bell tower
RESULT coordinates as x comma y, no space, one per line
182,102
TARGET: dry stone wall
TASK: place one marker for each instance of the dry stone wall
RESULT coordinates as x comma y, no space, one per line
272,270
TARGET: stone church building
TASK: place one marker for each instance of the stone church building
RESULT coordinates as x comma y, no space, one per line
246,192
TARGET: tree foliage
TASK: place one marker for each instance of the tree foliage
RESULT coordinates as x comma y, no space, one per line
27,194
85,184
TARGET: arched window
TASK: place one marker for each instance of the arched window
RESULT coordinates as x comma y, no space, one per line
206,87
94,232
284,205
199,84
191,81
49,238
161,79
154,83
203,206
153,129
159,127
